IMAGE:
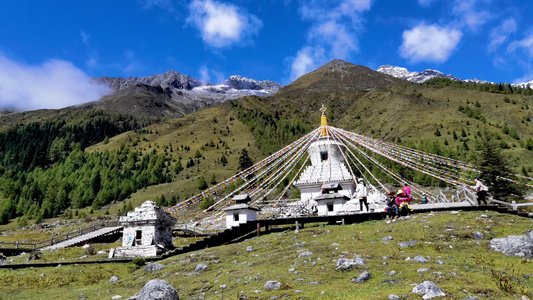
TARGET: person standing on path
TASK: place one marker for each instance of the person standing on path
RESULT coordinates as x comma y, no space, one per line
481,191
362,193
407,190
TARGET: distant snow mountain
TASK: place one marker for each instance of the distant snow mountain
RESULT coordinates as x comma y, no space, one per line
179,84
179,94
525,85
417,77
238,86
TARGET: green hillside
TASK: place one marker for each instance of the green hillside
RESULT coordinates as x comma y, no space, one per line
440,117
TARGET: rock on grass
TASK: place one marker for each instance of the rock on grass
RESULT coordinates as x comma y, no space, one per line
513,245
347,264
362,277
157,289
429,289
272,285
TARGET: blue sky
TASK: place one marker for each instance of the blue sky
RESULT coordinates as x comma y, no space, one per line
49,48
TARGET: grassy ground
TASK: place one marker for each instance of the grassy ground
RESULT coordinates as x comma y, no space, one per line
469,268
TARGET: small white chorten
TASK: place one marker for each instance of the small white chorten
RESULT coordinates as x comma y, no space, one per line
240,212
147,232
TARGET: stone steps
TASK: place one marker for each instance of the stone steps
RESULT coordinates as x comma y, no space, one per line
82,238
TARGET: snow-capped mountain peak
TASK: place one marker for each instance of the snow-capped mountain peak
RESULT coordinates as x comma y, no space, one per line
420,77
417,77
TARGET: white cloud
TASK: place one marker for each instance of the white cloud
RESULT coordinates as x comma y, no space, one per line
205,76
85,37
333,33
53,84
526,45
430,43
164,4
425,2
222,24
528,77
471,14
336,36
499,34
306,60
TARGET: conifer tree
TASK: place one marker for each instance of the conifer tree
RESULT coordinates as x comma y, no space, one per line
244,160
202,185
494,165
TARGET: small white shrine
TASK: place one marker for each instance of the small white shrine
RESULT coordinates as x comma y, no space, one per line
147,232
330,201
327,169
240,212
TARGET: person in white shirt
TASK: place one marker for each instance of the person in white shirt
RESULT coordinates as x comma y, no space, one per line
361,193
481,191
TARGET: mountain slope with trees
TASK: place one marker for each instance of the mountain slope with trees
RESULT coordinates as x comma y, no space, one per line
450,120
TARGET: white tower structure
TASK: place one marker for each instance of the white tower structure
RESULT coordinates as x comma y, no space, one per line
327,166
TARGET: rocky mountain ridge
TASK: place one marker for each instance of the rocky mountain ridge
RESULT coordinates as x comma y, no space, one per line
233,87
420,77
179,94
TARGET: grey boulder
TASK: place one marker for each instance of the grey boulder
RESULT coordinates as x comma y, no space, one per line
157,289
420,258
407,244
477,235
429,289
200,267
513,245
272,285
362,277
305,254
347,264
154,267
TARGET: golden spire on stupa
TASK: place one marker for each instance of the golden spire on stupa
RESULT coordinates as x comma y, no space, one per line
323,121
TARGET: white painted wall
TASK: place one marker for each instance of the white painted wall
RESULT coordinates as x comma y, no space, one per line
323,207
308,193
245,215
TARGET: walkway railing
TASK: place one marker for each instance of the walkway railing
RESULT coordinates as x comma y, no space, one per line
513,204
57,239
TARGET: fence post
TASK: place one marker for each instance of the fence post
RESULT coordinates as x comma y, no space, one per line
81,230
51,241
297,227
342,221
16,244
514,205
258,229
34,245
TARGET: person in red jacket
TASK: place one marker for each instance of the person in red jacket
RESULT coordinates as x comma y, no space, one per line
401,197
402,200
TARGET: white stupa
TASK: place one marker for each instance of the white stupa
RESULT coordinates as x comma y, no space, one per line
327,166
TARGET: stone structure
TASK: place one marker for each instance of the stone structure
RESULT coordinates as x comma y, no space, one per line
331,200
327,169
147,232
240,212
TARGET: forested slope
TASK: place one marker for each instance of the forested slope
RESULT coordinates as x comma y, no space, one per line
46,168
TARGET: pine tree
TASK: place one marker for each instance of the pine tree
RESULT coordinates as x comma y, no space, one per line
202,185
223,160
244,160
494,165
